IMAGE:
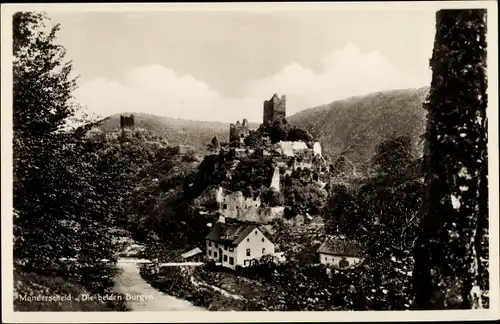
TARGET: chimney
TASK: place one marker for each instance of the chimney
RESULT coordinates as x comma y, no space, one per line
222,219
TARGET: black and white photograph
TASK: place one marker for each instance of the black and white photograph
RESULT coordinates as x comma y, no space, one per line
219,158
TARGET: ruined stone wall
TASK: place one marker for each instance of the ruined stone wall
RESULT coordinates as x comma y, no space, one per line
275,181
239,131
236,206
317,149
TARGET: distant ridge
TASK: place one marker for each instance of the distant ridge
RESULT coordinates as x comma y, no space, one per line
177,131
354,126
351,127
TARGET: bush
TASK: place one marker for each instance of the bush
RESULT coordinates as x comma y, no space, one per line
271,197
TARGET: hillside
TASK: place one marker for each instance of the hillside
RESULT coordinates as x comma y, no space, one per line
354,126
176,131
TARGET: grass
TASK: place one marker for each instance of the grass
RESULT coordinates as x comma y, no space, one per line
33,285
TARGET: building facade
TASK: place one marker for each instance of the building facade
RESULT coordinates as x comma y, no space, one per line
239,244
340,253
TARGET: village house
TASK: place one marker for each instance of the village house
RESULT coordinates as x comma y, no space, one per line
237,244
340,253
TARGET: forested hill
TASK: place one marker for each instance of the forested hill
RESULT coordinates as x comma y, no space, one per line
354,126
175,130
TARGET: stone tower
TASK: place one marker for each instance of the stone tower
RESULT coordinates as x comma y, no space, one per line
126,121
274,109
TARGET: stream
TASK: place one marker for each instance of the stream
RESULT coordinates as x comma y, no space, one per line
141,296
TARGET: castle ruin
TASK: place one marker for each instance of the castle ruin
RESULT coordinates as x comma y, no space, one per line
238,132
274,109
126,121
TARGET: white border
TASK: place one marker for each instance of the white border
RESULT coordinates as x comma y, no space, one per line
70,317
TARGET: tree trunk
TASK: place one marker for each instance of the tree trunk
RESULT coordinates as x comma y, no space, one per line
448,271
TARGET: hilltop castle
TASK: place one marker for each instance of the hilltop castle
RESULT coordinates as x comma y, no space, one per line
274,109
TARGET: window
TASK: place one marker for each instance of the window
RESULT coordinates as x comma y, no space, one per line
225,206
216,245
262,239
231,249
231,260
255,232
237,207
264,251
225,248
210,252
215,254
343,263
209,243
248,252
225,258
248,239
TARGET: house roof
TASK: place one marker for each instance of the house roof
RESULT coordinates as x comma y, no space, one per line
192,252
341,246
231,233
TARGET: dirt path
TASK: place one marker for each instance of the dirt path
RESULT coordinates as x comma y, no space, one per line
140,296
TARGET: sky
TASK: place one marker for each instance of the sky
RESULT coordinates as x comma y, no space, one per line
222,65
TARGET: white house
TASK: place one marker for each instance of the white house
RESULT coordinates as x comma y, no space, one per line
340,253
235,244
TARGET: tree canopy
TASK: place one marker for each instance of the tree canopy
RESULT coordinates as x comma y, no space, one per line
67,186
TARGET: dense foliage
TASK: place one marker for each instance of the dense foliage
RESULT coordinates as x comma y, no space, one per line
281,130
382,212
451,267
303,196
67,187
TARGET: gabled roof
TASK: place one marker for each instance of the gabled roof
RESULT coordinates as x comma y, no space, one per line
231,233
342,247
191,253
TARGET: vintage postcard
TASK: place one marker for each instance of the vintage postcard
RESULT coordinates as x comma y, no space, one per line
241,162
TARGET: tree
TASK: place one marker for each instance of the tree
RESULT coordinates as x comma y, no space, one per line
393,156
298,134
277,131
67,188
272,197
305,197
214,145
449,272
254,139
41,95
344,212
